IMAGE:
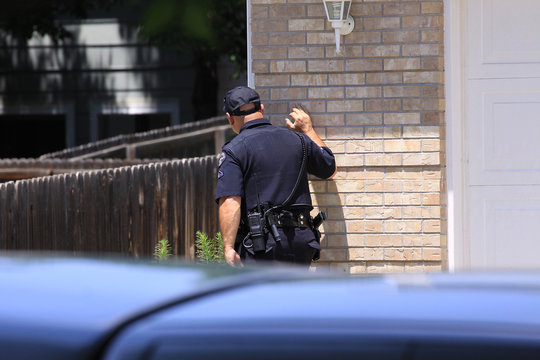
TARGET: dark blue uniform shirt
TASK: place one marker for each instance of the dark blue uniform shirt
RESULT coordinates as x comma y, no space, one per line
262,164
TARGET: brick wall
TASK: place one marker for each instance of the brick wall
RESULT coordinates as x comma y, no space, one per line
379,106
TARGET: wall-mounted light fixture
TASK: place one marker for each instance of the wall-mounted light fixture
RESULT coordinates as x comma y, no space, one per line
337,12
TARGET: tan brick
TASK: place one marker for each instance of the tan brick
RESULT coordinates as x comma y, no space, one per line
400,36
402,226
402,145
421,159
364,37
384,78
370,254
431,199
376,23
317,186
432,36
329,120
364,64
392,186
401,118
371,199
433,118
394,199
328,200
271,80
363,226
321,38
259,12
434,63
421,240
379,268
421,185
309,79
383,213
422,50
288,93
350,133
383,105
434,7
427,21
325,65
392,132
326,92
352,212
261,67
401,9
364,119
412,212
287,11
401,91
331,226
383,240
431,212
334,255
288,66
431,145
333,241
269,26
364,146
260,39
433,91
373,186
432,254
345,105
347,79
381,50
314,9
287,39
374,133
363,92
306,25
347,51
366,9
308,52
382,159
349,160
423,77
401,64
349,186
424,104
401,254
432,226
421,131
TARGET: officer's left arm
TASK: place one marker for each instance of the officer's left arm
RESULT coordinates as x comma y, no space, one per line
229,220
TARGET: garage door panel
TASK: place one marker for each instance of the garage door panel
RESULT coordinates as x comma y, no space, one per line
507,235
504,33
504,137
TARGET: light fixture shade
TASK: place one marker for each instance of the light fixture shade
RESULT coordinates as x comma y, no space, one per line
337,10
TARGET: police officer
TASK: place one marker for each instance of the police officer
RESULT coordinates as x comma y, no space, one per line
258,171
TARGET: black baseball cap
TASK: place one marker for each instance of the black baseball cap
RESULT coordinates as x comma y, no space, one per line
239,96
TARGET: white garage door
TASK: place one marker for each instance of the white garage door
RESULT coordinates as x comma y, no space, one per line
502,134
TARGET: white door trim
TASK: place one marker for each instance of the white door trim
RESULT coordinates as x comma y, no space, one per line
454,20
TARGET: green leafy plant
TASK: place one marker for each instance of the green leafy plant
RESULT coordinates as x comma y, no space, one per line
163,250
209,250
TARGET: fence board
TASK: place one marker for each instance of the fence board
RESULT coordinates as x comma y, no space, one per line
124,210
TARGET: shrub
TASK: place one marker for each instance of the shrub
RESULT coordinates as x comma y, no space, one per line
209,250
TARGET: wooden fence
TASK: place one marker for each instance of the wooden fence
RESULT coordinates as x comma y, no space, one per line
122,210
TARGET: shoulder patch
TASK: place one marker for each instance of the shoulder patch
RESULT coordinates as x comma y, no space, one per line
222,157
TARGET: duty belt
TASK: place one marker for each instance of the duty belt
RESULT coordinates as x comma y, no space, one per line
289,219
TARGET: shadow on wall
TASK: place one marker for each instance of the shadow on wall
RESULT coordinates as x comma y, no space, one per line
334,233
